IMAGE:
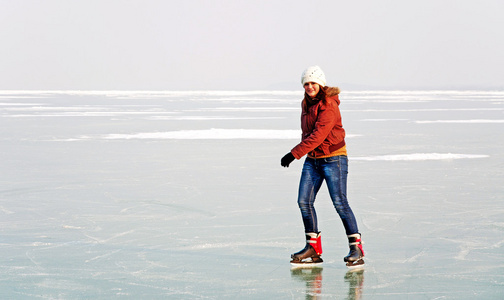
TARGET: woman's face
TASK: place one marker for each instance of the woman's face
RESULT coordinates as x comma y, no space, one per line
311,89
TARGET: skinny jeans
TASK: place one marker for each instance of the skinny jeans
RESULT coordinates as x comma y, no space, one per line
334,171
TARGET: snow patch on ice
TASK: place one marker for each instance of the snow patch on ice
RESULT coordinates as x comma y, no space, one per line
38,244
19,104
266,108
143,93
87,114
6,211
423,109
209,118
209,134
71,227
382,120
461,121
419,156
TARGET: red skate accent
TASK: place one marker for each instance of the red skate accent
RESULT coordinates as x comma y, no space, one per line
316,243
359,244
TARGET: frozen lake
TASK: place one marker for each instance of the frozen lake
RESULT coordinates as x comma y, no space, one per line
180,195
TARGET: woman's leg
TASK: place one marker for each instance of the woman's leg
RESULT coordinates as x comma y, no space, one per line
309,185
336,171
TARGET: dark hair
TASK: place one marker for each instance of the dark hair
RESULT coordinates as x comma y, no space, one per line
324,92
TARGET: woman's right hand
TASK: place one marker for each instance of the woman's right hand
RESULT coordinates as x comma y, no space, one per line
287,159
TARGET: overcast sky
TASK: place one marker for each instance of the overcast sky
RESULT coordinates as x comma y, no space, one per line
236,45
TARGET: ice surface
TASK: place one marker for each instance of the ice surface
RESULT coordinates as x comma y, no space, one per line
180,195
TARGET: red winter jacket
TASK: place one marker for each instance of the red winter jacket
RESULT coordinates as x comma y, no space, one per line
322,128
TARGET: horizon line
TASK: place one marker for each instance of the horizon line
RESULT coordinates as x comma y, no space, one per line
100,91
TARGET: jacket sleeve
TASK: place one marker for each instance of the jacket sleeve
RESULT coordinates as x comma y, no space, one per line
326,120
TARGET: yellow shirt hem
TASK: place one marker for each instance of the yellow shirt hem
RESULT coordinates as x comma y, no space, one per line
340,151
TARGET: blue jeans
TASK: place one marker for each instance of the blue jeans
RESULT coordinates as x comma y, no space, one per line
334,171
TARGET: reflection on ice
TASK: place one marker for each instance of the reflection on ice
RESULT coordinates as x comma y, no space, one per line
355,280
316,286
313,279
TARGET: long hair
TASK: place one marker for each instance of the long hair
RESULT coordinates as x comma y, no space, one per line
323,94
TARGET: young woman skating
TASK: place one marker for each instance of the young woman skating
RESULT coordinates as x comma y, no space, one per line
323,141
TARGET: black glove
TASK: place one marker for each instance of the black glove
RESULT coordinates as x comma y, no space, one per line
287,159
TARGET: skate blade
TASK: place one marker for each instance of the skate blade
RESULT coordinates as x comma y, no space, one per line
356,264
307,265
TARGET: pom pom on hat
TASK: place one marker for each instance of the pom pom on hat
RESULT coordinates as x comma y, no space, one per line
313,74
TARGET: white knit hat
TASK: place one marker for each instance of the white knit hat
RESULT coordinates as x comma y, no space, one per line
313,74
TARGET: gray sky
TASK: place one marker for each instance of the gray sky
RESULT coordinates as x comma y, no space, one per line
236,45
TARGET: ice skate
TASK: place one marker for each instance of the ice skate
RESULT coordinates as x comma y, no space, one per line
310,255
354,259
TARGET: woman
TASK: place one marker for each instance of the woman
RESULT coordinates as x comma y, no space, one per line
323,141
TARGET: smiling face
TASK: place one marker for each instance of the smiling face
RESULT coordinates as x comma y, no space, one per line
311,89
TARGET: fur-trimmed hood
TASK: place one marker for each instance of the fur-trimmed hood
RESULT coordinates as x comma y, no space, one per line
331,91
